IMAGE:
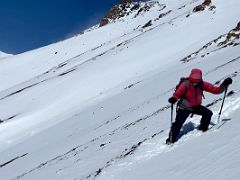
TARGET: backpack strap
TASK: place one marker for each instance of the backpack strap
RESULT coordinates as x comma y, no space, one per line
187,82
202,89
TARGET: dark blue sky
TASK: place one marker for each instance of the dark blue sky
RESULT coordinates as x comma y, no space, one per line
29,24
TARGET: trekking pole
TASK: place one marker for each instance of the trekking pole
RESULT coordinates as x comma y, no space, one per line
171,134
220,112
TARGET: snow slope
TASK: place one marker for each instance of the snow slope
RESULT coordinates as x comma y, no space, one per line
95,106
4,55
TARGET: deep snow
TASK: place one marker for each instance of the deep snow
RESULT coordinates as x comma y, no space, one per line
95,106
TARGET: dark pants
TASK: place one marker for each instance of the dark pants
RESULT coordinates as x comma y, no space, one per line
182,115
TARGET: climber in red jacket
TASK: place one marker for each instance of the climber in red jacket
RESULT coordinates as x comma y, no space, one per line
190,93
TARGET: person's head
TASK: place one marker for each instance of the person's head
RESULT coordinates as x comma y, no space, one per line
195,76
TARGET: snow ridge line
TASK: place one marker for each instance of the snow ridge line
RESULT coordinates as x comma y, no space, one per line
75,67
142,32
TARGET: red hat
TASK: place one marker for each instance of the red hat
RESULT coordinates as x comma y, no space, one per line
196,75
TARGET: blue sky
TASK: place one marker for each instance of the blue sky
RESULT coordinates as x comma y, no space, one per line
29,24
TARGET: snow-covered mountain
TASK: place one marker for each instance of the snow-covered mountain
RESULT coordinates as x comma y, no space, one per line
4,55
95,106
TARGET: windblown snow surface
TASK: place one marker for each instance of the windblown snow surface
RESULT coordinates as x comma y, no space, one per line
4,55
95,106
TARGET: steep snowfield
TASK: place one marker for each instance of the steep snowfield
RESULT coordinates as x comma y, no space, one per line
95,106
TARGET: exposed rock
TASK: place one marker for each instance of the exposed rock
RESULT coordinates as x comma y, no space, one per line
116,12
149,23
232,38
202,6
232,35
207,2
144,8
199,8
237,28
164,14
125,1
98,172
212,8
135,7
127,7
104,22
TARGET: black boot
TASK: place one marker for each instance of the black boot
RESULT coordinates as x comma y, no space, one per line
201,128
168,141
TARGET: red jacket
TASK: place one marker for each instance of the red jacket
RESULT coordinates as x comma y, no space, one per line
193,95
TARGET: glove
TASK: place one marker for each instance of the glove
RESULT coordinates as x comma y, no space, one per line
227,82
172,100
